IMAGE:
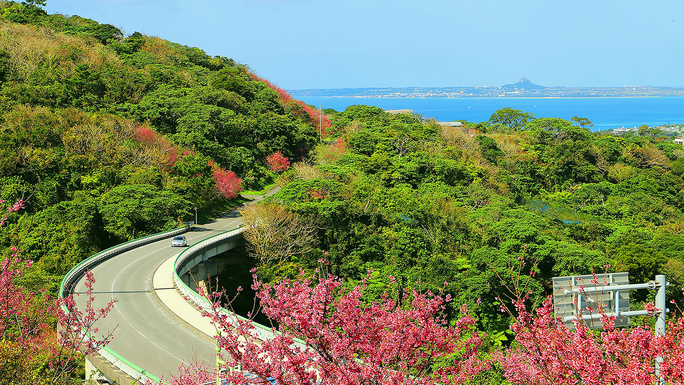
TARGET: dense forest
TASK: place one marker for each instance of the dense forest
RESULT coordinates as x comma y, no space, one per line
423,204
108,137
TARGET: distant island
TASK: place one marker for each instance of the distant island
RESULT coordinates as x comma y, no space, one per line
522,89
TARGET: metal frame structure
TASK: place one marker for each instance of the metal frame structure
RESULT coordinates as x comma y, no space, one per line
617,296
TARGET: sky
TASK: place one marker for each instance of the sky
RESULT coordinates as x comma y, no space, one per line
307,44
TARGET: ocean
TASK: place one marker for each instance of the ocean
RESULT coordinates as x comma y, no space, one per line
605,113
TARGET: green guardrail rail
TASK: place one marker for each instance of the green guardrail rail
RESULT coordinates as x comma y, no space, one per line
263,332
77,272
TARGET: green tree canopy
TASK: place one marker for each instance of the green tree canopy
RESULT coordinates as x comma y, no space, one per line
131,211
511,118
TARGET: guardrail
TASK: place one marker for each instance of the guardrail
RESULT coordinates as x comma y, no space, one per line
131,369
116,360
262,332
79,270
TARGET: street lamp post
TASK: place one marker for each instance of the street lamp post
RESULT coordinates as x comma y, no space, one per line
195,215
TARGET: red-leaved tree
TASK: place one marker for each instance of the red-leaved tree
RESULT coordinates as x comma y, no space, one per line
227,183
330,335
277,162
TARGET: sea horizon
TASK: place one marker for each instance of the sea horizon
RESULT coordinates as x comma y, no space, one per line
604,112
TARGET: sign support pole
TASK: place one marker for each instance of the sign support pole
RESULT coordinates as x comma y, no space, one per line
661,304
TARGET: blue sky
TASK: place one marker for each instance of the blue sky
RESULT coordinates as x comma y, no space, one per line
299,44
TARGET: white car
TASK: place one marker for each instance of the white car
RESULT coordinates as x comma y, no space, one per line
179,241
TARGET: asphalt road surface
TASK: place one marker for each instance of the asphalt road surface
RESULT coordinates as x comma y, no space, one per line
147,333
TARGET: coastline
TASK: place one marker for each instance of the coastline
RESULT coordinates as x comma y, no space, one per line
522,89
604,112
486,97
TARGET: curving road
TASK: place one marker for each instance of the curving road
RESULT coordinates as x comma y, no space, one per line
146,332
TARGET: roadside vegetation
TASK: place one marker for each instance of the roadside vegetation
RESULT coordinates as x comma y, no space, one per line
478,211
426,203
108,138
105,138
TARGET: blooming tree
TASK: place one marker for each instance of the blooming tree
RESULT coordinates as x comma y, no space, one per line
312,113
192,373
16,206
547,352
327,334
31,350
76,330
227,183
277,162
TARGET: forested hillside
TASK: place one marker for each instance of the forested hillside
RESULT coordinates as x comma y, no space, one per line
422,204
108,138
